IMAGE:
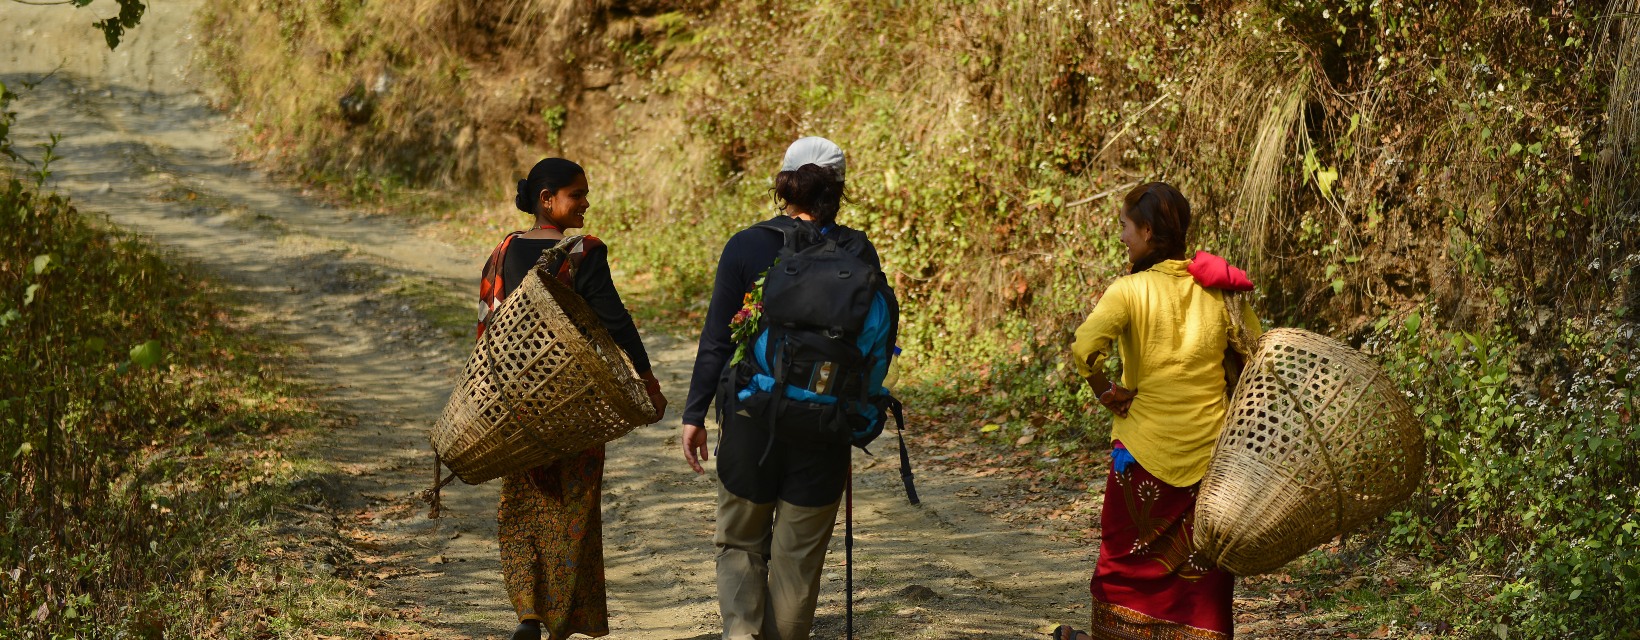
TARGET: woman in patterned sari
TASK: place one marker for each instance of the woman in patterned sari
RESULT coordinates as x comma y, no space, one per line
1169,319
550,528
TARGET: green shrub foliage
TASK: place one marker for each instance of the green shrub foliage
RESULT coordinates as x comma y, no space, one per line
1533,487
118,394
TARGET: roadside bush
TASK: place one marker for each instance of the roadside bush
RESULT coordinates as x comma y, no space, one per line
1532,503
133,429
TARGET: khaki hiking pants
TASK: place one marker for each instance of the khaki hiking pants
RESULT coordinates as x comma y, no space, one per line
768,566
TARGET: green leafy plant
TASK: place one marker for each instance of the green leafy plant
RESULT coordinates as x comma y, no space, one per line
555,117
113,28
142,440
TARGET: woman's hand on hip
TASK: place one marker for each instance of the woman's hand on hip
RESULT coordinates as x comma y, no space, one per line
694,446
1118,399
1114,396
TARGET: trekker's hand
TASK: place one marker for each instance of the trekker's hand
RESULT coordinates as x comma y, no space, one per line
1117,399
652,386
694,446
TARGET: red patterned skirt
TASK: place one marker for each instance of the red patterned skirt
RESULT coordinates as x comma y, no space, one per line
1148,583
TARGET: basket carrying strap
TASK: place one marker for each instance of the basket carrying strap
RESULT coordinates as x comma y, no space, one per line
559,254
1242,346
1240,339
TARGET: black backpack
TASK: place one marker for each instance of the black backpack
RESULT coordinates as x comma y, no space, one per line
823,344
818,359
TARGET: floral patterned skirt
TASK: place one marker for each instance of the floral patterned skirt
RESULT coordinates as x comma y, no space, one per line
1149,584
552,551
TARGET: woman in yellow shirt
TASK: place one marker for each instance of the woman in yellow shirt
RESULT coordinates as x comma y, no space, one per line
1171,329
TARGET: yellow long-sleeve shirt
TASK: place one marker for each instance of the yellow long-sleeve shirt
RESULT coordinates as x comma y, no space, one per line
1172,334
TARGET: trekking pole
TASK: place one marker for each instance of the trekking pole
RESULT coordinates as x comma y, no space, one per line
848,553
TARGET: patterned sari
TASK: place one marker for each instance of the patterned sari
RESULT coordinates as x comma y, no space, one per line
550,524
1149,583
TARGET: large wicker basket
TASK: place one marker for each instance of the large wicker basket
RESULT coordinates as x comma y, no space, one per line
1316,442
544,381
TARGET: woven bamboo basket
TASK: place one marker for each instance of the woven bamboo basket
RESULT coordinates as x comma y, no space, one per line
544,381
1316,442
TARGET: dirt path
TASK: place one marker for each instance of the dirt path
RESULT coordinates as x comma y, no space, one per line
140,145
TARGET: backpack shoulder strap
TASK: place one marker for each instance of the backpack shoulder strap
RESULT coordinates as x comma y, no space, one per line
906,476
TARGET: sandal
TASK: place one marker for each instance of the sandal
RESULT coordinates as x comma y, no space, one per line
1065,632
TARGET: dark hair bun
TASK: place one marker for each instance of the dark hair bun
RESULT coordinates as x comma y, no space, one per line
522,199
812,188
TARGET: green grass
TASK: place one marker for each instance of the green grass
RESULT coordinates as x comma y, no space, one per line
454,315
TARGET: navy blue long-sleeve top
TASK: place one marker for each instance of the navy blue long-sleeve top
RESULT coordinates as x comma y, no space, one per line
746,256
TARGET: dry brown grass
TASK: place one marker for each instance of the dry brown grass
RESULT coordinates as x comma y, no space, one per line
1615,166
1622,135
459,92
1259,202
968,128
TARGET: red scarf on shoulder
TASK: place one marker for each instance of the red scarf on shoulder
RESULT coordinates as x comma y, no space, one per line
1213,272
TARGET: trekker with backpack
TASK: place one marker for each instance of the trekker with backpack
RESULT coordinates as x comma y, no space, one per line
794,350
